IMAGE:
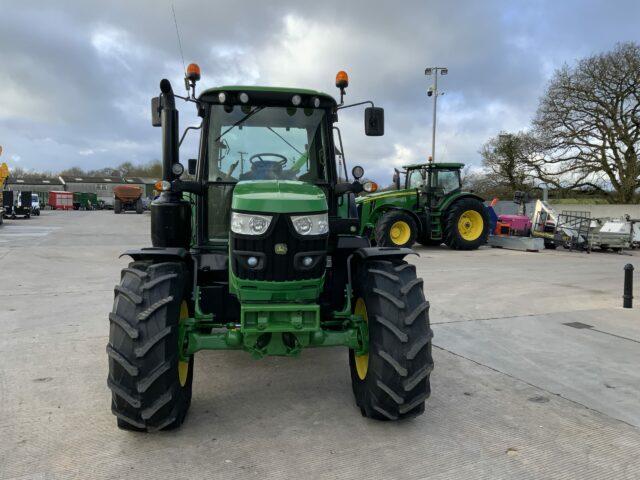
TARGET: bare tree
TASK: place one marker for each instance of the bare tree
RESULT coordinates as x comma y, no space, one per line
590,125
508,158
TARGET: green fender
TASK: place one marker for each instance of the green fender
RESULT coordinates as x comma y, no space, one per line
451,199
373,206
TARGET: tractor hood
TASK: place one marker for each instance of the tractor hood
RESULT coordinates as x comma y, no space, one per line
278,196
380,195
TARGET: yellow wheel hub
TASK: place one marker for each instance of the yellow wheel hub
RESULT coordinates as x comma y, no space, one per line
400,232
470,225
183,367
362,361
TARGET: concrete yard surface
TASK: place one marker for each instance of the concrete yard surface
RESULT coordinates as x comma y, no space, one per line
516,392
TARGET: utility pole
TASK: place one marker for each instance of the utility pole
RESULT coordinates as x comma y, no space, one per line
433,91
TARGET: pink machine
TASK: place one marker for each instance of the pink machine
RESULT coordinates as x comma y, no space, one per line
519,225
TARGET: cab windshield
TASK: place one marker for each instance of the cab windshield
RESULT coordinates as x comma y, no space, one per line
267,143
415,178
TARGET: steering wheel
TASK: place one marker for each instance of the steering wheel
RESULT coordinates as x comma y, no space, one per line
258,158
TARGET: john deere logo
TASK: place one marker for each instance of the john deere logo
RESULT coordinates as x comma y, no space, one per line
281,248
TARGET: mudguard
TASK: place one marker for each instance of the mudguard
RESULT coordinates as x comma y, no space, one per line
369,253
157,253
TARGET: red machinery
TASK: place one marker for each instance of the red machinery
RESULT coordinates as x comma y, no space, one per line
59,200
513,225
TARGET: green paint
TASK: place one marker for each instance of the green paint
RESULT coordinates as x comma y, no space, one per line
265,291
274,329
278,196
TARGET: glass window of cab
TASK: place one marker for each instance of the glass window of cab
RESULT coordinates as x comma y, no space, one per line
267,143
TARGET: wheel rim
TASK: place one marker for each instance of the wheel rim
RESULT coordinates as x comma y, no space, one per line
362,361
183,367
470,225
400,232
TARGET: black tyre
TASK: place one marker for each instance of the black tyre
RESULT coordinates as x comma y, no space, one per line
117,206
392,381
466,225
139,207
151,387
396,229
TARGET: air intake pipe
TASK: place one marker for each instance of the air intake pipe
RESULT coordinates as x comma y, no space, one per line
170,214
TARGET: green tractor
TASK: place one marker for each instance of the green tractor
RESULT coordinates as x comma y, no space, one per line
259,251
428,207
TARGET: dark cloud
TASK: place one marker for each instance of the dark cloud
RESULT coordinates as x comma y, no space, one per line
76,77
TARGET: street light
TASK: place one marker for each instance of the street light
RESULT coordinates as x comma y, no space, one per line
433,92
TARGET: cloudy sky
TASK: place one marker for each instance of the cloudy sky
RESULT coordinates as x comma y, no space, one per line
76,77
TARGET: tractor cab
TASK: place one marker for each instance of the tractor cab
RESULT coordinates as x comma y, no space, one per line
437,179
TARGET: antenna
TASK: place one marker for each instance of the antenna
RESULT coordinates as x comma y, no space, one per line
184,67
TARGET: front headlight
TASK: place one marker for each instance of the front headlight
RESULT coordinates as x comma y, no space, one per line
311,224
249,224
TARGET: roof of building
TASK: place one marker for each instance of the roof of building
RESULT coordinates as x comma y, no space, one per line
83,179
34,181
149,180
134,180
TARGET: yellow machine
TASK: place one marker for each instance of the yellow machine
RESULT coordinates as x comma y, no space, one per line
4,173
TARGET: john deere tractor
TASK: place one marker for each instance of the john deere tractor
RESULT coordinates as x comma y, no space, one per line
258,250
428,206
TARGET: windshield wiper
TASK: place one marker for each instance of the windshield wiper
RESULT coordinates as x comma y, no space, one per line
243,119
285,141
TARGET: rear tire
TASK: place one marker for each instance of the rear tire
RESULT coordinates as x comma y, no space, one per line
117,206
395,382
139,208
148,392
396,229
466,225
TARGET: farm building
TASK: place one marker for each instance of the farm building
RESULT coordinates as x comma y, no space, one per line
101,186
41,186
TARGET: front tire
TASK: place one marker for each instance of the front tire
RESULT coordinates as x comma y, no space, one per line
396,229
117,206
391,382
139,206
151,387
466,225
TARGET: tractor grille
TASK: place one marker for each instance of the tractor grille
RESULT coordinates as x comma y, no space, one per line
278,267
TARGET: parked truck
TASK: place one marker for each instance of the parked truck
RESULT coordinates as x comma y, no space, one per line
127,197
85,201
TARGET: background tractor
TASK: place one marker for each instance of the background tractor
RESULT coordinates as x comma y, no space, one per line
261,253
428,206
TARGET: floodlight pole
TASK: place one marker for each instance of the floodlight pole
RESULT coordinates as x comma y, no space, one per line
436,93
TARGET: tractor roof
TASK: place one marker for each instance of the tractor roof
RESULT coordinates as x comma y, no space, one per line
434,165
276,90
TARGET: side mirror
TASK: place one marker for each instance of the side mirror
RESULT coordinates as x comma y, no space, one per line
396,178
374,121
155,112
191,166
